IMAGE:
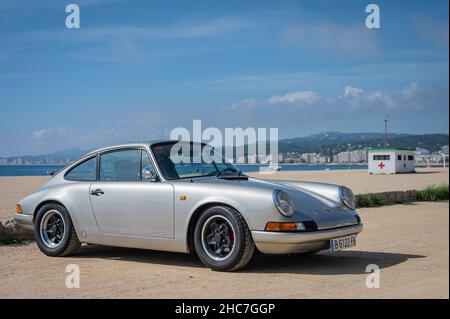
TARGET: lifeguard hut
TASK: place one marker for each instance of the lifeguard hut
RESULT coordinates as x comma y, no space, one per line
391,160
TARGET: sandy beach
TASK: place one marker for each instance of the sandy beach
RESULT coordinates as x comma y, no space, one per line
12,189
414,264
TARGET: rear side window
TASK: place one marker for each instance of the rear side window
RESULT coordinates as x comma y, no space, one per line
86,171
121,166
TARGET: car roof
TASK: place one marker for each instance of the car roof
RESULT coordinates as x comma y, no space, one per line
131,145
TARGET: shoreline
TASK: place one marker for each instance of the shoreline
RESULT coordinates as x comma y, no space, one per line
14,170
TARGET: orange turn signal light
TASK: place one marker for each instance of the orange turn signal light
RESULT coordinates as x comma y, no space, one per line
18,209
286,226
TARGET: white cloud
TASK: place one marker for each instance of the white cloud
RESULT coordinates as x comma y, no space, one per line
120,43
410,91
245,103
61,131
69,138
308,97
337,39
382,99
38,135
432,30
198,29
354,99
353,92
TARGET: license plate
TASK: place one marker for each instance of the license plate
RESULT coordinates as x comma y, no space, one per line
342,243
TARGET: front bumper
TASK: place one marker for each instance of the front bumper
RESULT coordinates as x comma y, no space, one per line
286,243
24,220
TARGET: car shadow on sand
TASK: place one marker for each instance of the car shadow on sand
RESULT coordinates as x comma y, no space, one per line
327,263
323,263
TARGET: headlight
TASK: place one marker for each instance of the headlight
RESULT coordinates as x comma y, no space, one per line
283,202
347,197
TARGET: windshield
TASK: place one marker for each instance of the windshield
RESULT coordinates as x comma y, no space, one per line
189,160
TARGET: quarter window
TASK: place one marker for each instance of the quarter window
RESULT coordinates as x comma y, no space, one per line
86,171
121,166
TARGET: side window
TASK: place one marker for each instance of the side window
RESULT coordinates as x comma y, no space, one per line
399,157
121,166
410,157
148,170
86,171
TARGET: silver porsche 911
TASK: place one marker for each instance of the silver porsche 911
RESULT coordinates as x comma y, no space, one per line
138,196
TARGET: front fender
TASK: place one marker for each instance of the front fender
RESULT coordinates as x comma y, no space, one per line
255,206
219,200
329,191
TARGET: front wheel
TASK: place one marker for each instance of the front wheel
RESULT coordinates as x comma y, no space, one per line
54,232
222,239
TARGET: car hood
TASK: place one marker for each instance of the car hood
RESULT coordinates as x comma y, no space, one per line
308,205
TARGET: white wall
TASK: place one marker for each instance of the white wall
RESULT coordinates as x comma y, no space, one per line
389,166
405,165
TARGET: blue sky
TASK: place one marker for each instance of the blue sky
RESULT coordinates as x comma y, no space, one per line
137,69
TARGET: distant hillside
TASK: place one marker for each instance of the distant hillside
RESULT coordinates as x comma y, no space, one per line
55,157
333,142
322,141
328,143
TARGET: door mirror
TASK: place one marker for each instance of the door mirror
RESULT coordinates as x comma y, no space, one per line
149,175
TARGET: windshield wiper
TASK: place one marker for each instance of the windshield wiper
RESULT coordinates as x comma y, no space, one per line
213,173
229,169
222,172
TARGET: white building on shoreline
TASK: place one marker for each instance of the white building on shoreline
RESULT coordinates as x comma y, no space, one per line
391,160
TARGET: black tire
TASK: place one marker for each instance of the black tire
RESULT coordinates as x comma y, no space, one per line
68,244
243,246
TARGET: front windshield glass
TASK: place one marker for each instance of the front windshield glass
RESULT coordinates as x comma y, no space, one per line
189,160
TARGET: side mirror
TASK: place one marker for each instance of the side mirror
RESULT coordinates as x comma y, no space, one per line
149,175
53,173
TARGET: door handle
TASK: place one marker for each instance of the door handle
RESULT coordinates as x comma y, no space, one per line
97,192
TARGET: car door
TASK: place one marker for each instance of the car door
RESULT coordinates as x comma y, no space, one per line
129,199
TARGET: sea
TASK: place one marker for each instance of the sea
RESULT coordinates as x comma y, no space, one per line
43,170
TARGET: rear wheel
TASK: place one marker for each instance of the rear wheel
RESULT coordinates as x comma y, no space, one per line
222,239
54,232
